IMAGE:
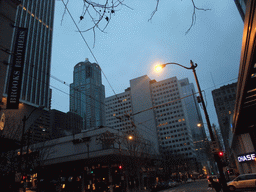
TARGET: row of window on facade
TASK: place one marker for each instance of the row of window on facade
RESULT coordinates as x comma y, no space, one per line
172,117
165,96
173,136
226,91
169,137
33,15
168,104
162,93
172,131
115,108
164,101
231,96
118,104
113,117
164,84
119,99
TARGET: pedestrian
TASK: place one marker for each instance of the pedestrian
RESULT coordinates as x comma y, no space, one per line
215,185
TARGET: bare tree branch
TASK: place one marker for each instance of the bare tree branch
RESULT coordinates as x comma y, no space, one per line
101,14
153,13
194,15
64,13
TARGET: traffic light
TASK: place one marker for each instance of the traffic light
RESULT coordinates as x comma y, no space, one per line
120,167
220,154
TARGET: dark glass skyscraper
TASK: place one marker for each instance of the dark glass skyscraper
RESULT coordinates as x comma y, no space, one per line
87,94
37,16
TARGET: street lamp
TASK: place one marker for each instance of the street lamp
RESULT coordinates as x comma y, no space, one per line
216,157
22,138
199,124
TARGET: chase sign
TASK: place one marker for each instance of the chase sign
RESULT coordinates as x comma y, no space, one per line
246,157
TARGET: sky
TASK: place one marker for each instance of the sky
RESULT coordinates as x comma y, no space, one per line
131,46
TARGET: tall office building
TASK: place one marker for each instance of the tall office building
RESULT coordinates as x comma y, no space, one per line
87,94
194,118
160,114
224,101
37,16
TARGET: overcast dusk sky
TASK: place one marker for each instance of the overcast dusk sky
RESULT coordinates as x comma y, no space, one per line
132,46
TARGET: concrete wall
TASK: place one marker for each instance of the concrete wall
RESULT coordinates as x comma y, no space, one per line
141,100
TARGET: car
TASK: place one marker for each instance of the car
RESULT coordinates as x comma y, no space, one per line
214,177
172,183
189,180
244,181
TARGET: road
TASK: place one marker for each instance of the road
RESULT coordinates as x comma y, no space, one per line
197,186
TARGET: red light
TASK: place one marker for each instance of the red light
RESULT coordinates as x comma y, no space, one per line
221,154
120,167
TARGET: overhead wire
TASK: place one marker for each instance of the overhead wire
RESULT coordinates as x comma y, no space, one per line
114,110
66,8
87,45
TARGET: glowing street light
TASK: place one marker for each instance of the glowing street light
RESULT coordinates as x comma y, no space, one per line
130,137
199,125
159,68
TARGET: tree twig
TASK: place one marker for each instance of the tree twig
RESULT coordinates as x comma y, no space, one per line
194,15
65,10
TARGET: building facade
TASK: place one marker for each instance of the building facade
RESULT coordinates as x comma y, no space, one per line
194,118
243,134
158,111
224,101
37,16
8,10
87,94
64,124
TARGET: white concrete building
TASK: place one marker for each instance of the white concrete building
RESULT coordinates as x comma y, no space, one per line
159,114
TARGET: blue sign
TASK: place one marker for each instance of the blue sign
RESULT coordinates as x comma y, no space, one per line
246,157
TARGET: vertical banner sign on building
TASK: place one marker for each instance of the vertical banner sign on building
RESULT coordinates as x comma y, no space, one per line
17,69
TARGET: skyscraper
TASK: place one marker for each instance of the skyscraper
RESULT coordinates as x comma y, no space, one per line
87,94
164,112
37,16
224,101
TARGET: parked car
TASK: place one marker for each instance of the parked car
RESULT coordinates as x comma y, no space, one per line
247,181
189,180
214,177
173,183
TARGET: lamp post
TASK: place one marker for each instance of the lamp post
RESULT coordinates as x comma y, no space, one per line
216,157
25,118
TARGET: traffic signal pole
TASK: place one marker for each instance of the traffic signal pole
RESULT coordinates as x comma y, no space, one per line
216,156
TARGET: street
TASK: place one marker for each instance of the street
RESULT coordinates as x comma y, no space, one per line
198,186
